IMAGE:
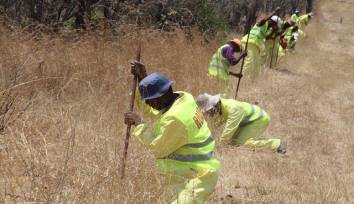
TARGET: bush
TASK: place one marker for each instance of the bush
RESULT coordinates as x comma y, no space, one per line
209,16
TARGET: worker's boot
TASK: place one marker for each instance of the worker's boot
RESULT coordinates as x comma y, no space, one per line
282,147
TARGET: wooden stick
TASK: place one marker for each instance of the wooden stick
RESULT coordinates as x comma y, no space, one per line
243,60
242,65
131,108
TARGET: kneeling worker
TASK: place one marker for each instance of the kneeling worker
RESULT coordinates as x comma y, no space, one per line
244,122
179,138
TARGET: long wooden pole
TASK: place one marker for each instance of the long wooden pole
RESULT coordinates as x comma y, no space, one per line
242,65
131,108
246,47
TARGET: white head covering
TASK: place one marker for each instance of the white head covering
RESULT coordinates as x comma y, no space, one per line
296,36
206,102
277,20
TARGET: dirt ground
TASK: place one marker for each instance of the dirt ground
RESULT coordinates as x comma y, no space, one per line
67,145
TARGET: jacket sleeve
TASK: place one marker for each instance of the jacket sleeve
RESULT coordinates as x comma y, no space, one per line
235,117
144,108
304,19
171,135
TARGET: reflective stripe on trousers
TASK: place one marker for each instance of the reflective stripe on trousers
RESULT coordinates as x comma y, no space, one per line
193,157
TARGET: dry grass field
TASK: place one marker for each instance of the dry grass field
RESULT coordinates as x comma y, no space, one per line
62,102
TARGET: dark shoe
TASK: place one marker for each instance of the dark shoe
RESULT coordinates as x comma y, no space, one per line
282,147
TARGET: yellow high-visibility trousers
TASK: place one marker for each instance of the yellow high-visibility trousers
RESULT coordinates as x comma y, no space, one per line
180,190
252,65
281,52
249,135
301,33
269,50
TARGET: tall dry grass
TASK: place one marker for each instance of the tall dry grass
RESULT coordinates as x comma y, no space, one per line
66,147
66,144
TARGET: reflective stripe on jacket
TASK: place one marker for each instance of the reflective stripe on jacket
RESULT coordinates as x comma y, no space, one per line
219,66
236,114
180,138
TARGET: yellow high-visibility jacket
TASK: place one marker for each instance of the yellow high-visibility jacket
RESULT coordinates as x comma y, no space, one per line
219,66
258,35
236,114
295,18
179,138
303,20
300,21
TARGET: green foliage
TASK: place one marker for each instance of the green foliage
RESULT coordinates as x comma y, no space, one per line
208,17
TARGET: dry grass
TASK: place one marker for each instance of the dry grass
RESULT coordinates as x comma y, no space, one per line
66,146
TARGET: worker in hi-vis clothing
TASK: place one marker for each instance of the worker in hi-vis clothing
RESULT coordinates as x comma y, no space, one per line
304,20
179,138
244,122
273,46
301,21
288,41
222,60
295,17
271,39
259,32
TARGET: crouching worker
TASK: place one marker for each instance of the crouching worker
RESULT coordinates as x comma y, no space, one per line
179,138
288,41
244,122
222,60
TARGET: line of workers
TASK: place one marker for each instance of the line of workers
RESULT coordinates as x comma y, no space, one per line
177,133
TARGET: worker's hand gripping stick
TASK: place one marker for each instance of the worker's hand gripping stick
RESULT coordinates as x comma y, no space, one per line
131,108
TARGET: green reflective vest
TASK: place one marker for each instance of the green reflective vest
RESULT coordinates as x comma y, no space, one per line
219,66
180,139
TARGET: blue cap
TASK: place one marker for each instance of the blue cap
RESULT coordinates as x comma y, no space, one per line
154,86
